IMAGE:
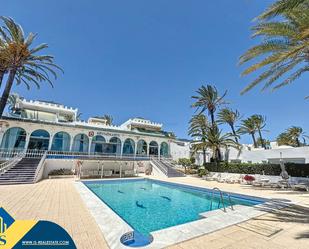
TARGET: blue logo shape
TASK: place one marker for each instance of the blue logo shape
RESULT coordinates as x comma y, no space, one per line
6,220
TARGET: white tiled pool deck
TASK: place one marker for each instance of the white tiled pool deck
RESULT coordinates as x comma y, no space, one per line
59,201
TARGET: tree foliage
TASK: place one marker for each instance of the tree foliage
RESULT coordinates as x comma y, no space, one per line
20,60
284,48
292,137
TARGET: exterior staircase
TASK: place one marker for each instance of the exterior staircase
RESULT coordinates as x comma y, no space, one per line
23,172
166,168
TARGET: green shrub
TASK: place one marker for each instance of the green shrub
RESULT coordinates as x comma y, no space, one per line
59,172
299,170
202,172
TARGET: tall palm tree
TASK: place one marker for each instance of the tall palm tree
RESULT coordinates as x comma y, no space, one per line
230,117
197,129
248,127
208,99
260,123
22,62
284,29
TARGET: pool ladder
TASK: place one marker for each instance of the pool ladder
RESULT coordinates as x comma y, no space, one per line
221,199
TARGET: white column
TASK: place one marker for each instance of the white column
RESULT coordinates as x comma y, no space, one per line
27,140
50,141
89,145
71,142
135,148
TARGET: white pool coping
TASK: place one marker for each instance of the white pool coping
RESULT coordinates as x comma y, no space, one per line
113,227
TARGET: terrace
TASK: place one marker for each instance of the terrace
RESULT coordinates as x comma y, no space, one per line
59,201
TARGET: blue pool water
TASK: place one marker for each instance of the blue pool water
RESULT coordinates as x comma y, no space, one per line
150,205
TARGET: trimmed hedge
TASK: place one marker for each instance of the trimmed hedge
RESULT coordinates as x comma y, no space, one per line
299,170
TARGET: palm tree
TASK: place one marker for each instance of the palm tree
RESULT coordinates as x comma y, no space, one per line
230,117
284,139
12,100
209,99
280,7
260,123
296,133
22,63
292,136
108,118
197,129
216,140
284,47
3,61
248,127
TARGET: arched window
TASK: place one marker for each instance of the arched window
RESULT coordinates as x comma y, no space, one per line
61,141
114,146
153,148
14,138
141,147
128,147
80,143
98,143
164,149
39,140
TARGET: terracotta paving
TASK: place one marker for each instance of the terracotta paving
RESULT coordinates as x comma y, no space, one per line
58,201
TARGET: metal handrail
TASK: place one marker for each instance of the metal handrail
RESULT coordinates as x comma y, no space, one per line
40,167
163,168
4,153
221,199
10,163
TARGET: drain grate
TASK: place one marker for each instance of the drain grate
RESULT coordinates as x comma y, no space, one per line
260,228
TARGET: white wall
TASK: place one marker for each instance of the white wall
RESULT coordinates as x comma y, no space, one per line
300,155
54,164
179,149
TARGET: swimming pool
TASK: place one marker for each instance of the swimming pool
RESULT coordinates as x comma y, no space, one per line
151,205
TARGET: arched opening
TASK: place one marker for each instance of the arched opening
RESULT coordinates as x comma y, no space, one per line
114,146
14,138
61,141
128,147
98,144
141,149
80,143
39,140
153,148
164,149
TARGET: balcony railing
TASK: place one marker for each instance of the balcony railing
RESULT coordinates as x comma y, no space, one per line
51,154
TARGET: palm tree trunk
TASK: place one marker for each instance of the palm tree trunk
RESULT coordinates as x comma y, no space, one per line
234,133
261,138
297,142
7,90
1,77
254,141
204,156
212,117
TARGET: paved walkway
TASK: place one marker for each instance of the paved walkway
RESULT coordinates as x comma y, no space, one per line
284,229
58,201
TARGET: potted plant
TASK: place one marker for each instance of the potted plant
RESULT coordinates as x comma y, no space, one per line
249,179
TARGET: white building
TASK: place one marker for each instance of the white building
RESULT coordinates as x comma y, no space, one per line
42,125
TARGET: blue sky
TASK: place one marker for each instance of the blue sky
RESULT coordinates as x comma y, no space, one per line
142,58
